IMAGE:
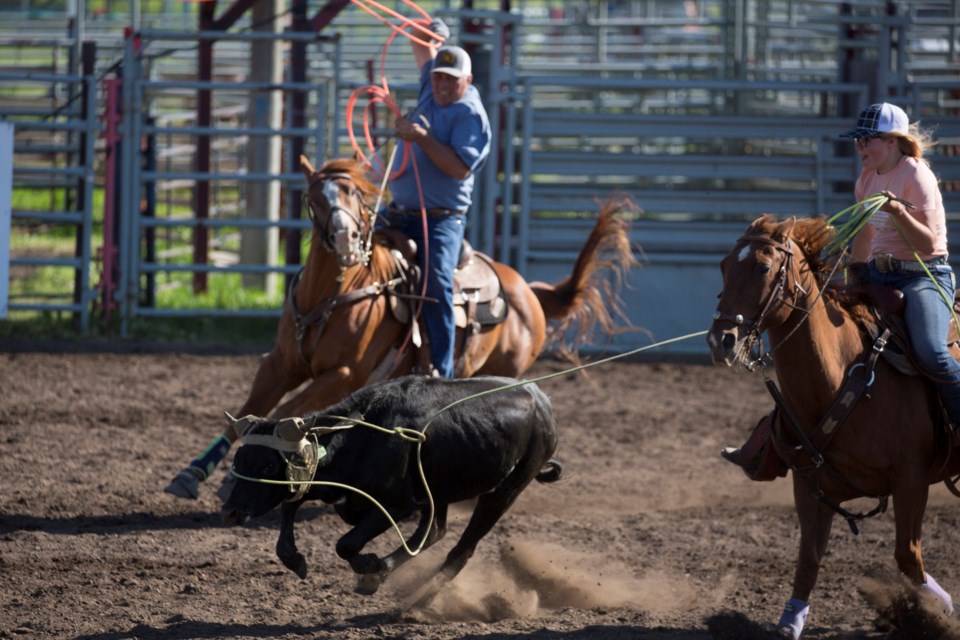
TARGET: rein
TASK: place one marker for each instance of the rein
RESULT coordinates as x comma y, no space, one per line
853,388
319,315
857,383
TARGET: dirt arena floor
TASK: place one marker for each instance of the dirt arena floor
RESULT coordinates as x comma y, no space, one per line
650,534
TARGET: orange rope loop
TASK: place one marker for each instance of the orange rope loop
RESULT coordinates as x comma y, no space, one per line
381,94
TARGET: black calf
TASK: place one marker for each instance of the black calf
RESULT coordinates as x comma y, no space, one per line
488,447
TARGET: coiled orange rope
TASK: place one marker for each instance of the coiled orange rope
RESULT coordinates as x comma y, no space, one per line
380,94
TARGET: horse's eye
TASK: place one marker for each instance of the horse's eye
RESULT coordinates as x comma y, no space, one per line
763,269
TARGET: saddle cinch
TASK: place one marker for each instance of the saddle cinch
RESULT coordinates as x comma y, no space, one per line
758,457
478,296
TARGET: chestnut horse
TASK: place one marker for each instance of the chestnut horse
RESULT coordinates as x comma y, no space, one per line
887,444
337,333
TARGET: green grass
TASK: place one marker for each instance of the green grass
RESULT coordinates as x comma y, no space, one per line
224,291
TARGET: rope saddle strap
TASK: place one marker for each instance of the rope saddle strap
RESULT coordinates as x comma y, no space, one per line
858,382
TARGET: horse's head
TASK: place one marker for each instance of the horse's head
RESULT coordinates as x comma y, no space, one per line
760,287
337,206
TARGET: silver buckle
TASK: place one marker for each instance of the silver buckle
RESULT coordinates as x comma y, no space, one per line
884,262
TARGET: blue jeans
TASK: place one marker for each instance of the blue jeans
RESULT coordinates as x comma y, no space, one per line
445,235
928,319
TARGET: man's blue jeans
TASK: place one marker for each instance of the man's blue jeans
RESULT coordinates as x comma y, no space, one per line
928,318
445,235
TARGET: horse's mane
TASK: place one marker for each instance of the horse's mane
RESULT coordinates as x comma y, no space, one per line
353,168
815,238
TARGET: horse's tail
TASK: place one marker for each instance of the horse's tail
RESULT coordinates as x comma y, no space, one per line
551,472
579,298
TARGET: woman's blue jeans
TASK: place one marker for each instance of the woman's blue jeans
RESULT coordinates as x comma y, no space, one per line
928,317
445,236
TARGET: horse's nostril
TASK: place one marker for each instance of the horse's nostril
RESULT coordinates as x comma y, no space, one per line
729,340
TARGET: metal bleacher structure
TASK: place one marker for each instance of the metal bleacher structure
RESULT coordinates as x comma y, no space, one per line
707,113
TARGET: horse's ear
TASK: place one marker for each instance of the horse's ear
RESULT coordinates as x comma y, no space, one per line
306,166
760,222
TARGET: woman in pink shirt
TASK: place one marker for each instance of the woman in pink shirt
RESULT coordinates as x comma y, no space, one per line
910,225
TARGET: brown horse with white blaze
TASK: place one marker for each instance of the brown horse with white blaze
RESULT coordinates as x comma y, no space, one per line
885,444
337,333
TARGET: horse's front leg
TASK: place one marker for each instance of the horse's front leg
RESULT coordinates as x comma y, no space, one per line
910,504
325,389
286,544
275,376
816,520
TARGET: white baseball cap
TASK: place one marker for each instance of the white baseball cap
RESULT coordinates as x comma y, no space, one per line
453,61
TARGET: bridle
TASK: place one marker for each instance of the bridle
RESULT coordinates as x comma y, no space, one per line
778,295
346,234
857,382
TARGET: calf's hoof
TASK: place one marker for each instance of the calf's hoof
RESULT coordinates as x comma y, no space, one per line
365,563
186,484
296,563
369,583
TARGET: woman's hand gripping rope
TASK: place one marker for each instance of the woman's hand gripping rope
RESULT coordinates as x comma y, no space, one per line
859,215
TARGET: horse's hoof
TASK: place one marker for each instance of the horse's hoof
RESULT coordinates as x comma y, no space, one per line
186,484
226,487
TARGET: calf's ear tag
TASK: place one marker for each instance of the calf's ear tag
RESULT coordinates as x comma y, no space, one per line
291,429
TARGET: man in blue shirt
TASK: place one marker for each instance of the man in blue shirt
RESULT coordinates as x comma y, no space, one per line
449,137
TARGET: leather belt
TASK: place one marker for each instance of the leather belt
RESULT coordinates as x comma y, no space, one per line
404,211
886,263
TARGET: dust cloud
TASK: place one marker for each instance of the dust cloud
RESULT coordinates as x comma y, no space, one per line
903,612
532,578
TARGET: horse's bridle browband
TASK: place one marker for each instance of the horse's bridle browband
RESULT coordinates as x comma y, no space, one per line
776,295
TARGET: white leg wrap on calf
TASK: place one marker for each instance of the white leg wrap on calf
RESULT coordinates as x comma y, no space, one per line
794,617
933,588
